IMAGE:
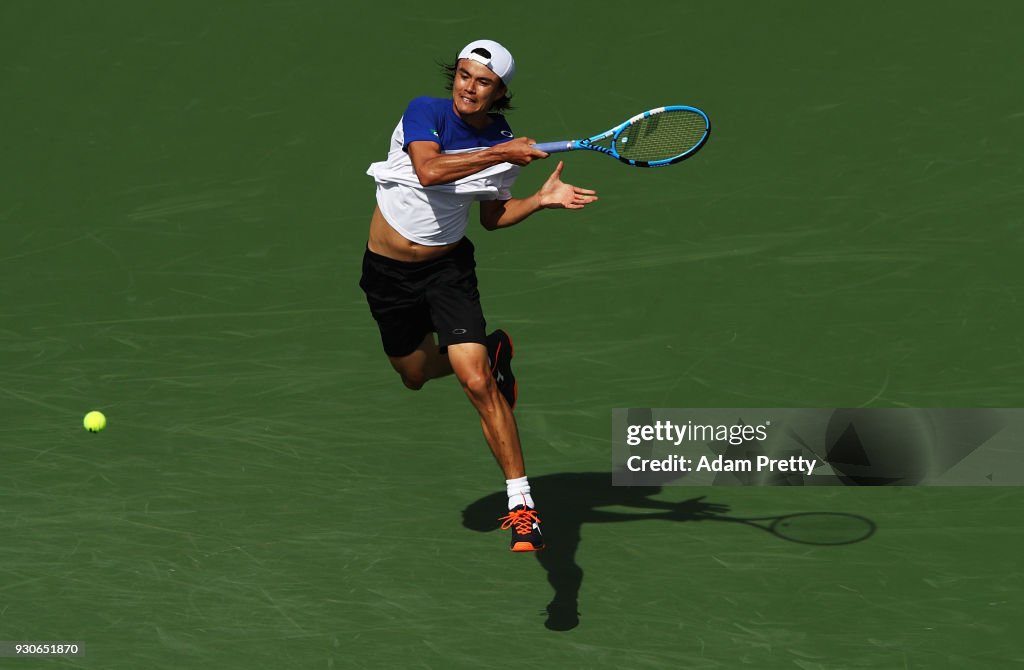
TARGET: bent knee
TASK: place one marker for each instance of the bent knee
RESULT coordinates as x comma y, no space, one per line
413,382
479,387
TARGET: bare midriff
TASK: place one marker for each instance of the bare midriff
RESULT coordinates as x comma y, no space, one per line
386,241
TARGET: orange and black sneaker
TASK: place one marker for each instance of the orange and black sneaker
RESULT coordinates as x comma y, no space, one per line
525,525
499,357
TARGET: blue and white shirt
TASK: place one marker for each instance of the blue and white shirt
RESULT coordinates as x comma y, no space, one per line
438,215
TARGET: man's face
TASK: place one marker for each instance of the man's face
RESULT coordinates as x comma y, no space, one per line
475,88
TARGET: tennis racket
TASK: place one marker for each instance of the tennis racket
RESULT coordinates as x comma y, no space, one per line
817,528
656,138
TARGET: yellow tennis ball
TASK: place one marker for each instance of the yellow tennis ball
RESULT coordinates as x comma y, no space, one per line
94,421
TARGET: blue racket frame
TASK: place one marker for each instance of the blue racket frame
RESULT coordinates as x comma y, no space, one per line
590,143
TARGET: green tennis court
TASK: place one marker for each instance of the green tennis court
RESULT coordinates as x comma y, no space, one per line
184,205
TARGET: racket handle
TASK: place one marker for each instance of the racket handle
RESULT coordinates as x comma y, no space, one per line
554,147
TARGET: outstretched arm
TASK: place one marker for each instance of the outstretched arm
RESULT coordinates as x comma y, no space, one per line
434,167
554,194
694,509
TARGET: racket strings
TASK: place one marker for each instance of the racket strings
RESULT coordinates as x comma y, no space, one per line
661,136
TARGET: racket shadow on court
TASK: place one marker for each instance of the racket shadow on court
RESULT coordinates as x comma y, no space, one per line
572,499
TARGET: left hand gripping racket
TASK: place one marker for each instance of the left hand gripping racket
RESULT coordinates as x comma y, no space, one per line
655,138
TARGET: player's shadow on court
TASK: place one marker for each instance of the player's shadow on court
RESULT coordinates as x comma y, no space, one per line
569,500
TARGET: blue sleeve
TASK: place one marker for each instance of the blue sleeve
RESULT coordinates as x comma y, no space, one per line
504,129
420,123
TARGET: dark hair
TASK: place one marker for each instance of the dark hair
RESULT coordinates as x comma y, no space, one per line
502,104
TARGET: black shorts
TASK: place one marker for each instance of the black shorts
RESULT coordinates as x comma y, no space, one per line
410,300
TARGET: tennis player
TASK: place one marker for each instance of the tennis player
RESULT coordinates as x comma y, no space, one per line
419,270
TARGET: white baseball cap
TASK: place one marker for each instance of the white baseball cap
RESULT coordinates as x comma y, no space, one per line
496,57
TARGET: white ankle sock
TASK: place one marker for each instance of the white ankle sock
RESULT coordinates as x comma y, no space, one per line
518,492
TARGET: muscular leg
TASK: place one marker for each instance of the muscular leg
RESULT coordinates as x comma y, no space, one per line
422,365
469,362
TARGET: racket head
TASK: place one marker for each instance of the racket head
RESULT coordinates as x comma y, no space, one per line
823,528
661,136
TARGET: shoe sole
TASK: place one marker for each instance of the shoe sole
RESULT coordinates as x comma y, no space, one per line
515,385
526,546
